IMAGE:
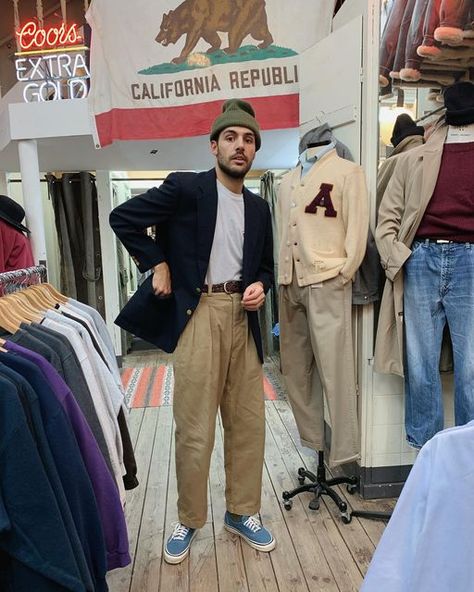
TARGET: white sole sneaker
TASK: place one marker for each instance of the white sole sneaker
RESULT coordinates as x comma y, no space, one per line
264,548
175,559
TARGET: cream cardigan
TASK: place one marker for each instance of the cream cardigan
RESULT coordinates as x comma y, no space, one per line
322,221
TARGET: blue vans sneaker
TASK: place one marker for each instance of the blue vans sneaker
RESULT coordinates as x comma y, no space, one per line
178,544
251,530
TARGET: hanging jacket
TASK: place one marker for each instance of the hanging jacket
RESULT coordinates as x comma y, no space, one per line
70,469
455,13
33,537
105,490
431,23
71,372
399,60
389,41
15,249
408,193
30,404
415,37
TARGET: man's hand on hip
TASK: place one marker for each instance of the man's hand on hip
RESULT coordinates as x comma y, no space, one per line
253,297
161,280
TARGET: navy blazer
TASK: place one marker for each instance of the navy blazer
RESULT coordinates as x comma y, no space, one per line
184,211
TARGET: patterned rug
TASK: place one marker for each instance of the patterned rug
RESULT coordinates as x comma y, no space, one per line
153,386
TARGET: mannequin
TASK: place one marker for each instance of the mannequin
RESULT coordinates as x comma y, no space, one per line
313,152
314,149
425,237
320,134
323,224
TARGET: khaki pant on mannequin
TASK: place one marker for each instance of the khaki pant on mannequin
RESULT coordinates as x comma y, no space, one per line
317,359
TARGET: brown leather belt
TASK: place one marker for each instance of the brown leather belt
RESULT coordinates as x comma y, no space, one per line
231,287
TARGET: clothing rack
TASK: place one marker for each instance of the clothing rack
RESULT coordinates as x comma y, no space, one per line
13,281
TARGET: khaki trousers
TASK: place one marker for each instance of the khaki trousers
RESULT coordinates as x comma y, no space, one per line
317,358
217,366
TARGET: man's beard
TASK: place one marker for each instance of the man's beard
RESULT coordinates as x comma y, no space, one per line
234,173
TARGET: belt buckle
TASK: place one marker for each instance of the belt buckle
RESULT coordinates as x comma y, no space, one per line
225,287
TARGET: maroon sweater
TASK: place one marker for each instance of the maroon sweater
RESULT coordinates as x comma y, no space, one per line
15,249
450,212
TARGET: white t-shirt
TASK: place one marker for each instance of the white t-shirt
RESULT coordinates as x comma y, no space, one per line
227,251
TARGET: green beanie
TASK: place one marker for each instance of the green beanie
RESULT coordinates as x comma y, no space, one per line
236,112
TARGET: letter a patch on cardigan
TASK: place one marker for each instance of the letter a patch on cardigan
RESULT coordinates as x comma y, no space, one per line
323,200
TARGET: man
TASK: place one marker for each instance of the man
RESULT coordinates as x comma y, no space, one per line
212,263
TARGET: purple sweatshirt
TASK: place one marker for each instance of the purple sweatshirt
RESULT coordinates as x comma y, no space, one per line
105,489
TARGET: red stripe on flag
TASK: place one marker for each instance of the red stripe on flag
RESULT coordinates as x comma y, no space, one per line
278,112
269,390
157,392
140,393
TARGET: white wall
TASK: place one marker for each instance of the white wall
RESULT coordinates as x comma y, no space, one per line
15,190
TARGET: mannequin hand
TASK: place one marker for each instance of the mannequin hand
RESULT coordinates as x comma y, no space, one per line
161,280
253,297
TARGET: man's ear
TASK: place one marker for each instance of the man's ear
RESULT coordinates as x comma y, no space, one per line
214,147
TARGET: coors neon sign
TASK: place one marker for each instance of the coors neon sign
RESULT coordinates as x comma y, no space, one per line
51,62
32,37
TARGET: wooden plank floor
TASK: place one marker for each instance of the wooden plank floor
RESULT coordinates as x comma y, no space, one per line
315,550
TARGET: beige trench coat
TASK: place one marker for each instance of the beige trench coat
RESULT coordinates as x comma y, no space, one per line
387,167
401,210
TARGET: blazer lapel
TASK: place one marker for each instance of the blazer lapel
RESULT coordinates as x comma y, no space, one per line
206,219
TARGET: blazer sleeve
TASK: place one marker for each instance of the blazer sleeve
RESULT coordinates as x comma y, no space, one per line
265,272
130,220
393,253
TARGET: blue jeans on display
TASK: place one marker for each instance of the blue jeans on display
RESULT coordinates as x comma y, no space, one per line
438,289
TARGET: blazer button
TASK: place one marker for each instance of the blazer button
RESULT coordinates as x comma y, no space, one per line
198,290
189,312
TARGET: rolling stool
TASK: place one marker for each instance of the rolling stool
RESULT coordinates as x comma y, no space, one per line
319,485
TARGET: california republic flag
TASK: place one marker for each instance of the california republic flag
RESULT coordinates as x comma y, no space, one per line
162,68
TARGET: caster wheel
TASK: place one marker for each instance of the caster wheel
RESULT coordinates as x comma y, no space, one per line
314,504
301,480
288,504
351,489
346,518
343,507
301,471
